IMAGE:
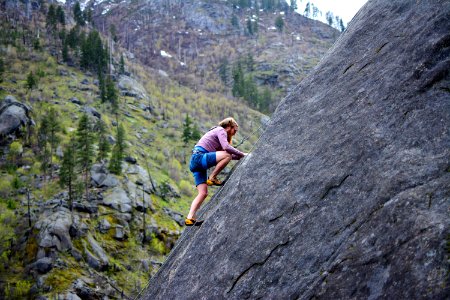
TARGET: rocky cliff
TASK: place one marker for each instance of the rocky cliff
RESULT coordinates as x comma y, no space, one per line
346,195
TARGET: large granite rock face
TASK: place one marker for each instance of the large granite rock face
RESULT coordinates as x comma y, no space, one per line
346,196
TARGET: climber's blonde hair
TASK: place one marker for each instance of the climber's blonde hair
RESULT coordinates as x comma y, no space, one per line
228,122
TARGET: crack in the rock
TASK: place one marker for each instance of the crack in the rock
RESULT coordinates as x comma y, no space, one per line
329,188
382,46
346,69
256,264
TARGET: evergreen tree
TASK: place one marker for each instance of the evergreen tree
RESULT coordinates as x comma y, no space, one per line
32,81
279,23
102,87
235,21
238,80
341,25
250,92
249,26
103,145
112,94
65,52
293,7
67,173
250,62
43,137
60,15
72,38
78,14
315,12
87,15
85,149
329,16
122,65
307,11
52,18
53,128
187,130
118,152
223,70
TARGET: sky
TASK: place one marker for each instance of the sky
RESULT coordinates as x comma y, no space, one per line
345,9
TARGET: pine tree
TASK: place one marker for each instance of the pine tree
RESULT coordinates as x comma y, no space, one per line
102,87
53,128
235,21
307,11
60,15
112,94
238,80
78,14
341,25
279,23
118,152
249,26
52,18
122,65
223,70
187,130
32,81
85,149
250,92
329,16
72,38
65,52
67,173
250,63
293,7
103,145
43,137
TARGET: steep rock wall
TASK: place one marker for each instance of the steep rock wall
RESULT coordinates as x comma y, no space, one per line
347,193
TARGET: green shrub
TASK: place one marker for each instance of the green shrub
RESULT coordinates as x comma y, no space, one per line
186,188
11,204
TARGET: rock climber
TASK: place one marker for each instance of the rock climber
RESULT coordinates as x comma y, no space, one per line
213,149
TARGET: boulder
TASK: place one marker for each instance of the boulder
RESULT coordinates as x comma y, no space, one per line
345,196
102,178
54,229
98,251
42,265
118,199
91,111
104,226
13,116
131,88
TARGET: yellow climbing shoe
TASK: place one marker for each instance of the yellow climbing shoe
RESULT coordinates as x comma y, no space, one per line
213,181
189,222
192,222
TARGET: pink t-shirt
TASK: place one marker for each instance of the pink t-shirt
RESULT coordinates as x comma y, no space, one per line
216,140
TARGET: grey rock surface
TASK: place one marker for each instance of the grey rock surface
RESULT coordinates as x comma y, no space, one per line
118,199
13,115
346,195
54,229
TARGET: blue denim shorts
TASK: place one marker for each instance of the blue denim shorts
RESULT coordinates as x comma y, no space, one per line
201,160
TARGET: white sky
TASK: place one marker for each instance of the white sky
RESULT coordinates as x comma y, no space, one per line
345,9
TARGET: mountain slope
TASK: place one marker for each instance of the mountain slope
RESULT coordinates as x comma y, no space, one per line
346,194
190,40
